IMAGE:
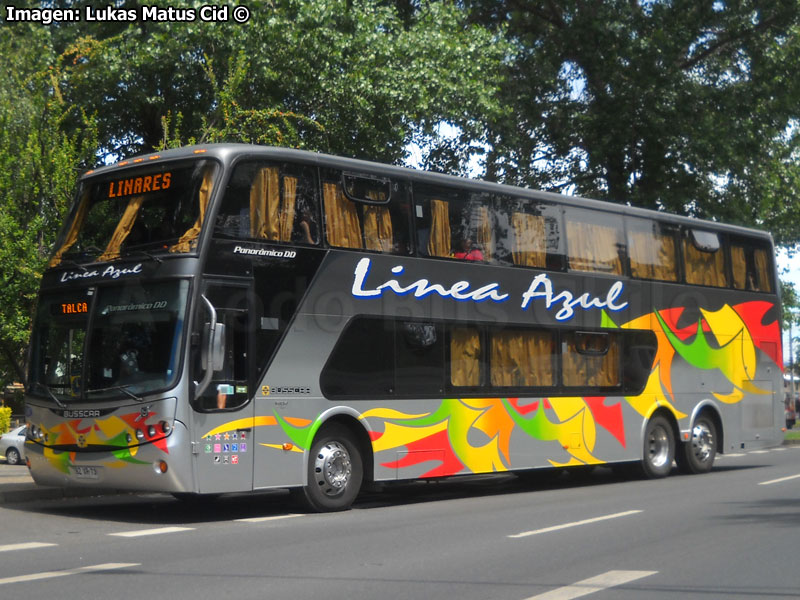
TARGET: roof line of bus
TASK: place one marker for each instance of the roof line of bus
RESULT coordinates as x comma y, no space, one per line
227,152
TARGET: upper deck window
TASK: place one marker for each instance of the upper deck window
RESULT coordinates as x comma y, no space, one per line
751,263
652,249
366,212
153,209
271,202
704,258
454,223
595,241
528,233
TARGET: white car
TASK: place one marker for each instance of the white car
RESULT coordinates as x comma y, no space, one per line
12,445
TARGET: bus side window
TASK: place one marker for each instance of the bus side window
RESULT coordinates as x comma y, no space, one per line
652,248
454,223
528,233
751,265
522,358
704,258
595,241
366,213
272,202
590,359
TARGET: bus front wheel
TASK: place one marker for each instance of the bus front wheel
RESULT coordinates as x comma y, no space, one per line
335,471
697,455
659,448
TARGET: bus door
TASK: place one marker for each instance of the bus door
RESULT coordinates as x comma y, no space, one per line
223,406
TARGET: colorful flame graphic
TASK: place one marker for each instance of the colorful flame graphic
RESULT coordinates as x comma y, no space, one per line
115,432
474,434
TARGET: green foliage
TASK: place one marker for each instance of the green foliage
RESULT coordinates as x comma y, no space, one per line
5,419
39,165
685,106
351,77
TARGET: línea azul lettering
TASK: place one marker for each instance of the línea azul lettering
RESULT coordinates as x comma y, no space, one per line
461,290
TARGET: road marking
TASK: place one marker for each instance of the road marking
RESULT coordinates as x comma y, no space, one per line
52,574
159,531
759,452
593,585
781,480
575,524
24,546
264,519
735,455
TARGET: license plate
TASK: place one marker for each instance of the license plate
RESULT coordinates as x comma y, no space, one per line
86,472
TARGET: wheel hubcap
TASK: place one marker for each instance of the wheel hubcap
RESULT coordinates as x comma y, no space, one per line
658,447
332,469
702,442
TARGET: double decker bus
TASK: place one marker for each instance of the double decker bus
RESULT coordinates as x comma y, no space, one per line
232,318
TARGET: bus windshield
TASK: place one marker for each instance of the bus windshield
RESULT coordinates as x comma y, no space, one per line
131,349
157,208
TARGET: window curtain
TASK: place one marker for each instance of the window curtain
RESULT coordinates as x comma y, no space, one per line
289,208
591,370
272,218
521,359
465,356
378,229
203,196
739,265
485,237
763,272
593,247
704,268
743,277
652,256
341,218
439,243
123,229
74,229
265,204
529,248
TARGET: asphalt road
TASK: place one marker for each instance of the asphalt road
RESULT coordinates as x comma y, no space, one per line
730,534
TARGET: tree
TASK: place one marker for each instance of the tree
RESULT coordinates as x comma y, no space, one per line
39,165
684,106
351,77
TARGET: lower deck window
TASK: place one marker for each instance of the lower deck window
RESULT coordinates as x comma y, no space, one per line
382,358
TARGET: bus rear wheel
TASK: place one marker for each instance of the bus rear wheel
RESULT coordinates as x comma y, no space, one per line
697,455
335,471
659,448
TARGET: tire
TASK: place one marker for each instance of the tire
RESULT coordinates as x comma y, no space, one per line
12,456
335,471
698,454
658,448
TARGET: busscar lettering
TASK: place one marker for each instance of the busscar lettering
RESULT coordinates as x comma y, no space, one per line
139,185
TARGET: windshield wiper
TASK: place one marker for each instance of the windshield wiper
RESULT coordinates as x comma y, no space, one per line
73,263
149,255
120,388
49,393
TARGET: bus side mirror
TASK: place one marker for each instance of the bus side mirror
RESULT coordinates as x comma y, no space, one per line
218,347
212,349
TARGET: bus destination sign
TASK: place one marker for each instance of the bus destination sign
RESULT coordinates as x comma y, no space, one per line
139,185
